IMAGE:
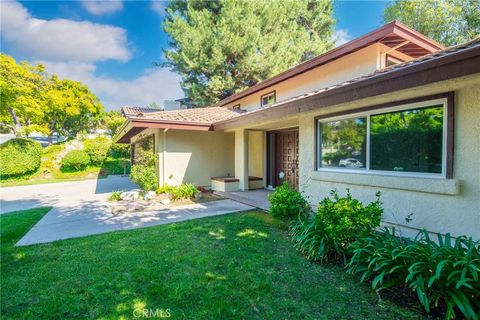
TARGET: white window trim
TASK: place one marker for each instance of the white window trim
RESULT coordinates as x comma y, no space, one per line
267,95
367,114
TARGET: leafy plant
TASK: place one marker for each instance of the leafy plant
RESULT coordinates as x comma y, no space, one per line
145,176
75,160
118,150
115,195
442,273
339,221
287,203
97,149
183,191
19,157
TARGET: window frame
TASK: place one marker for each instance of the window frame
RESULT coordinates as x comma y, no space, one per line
446,99
236,107
271,93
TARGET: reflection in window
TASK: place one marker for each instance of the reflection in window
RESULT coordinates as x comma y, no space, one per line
343,143
268,98
409,140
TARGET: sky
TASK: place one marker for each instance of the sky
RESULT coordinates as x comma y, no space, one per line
110,46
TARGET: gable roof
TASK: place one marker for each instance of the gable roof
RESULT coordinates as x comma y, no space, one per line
455,61
394,35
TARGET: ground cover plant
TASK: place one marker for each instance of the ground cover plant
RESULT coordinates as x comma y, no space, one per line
226,267
183,191
444,274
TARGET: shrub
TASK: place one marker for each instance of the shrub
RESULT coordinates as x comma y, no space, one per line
339,221
183,191
115,195
19,157
118,150
97,149
145,176
287,203
75,160
442,273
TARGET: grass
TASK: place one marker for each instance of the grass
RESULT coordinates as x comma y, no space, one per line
238,266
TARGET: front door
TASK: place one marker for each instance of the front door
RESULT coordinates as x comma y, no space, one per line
286,158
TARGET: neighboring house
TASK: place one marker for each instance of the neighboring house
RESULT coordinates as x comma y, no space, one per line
391,111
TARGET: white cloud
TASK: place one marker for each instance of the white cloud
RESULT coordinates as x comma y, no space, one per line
342,36
154,85
61,39
159,7
102,7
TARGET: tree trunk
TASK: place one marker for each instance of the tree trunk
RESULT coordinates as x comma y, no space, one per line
16,123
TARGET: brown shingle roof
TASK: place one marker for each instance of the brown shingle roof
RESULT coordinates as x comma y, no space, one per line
203,116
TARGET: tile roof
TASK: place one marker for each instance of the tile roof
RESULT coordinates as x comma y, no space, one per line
201,116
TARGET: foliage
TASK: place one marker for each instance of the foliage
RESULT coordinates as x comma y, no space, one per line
115,195
446,21
97,149
19,157
112,120
230,259
287,203
339,221
75,160
222,47
183,191
20,94
32,100
145,176
443,274
119,150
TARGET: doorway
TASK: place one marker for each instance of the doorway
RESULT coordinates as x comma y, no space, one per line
282,153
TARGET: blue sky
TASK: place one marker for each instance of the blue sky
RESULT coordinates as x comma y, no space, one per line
110,46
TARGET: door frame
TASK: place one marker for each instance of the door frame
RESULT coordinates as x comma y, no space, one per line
271,153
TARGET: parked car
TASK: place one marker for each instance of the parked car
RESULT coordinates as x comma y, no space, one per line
350,163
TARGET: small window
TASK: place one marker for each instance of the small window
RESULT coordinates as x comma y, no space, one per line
391,61
404,139
268,99
236,107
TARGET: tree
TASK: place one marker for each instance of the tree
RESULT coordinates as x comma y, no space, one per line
112,120
222,47
69,107
20,95
447,21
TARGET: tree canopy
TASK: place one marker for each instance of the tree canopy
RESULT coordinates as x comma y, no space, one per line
449,22
32,100
222,47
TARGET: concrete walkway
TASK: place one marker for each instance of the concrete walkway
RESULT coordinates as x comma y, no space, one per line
89,219
255,198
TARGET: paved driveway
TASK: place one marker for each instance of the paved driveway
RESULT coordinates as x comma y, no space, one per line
81,208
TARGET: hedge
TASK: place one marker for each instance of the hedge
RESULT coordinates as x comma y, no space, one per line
75,160
97,149
19,156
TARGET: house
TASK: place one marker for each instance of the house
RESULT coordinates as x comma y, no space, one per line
391,111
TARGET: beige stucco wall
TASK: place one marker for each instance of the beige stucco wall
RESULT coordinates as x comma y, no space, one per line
362,62
195,156
439,205
255,153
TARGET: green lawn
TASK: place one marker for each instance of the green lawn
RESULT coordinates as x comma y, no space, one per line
238,266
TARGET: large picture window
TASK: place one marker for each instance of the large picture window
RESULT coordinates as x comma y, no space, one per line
408,139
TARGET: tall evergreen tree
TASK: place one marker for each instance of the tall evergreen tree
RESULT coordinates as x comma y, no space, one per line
447,21
222,47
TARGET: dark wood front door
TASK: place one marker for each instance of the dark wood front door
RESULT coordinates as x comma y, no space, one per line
286,158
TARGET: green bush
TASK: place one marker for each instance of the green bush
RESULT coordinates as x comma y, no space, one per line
339,221
19,157
115,195
97,149
287,203
183,191
75,160
443,274
118,150
145,176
